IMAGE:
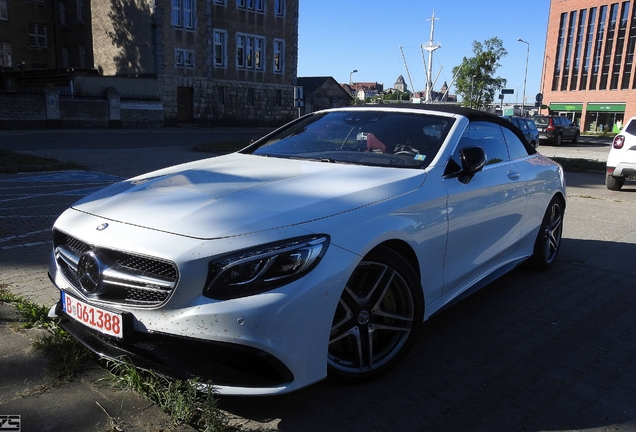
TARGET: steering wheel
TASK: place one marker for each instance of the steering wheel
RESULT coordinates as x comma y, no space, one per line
405,150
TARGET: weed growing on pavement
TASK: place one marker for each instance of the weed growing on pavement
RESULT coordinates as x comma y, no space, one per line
66,354
187,402
12,162
33,315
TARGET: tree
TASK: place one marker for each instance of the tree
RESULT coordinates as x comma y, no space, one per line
475,77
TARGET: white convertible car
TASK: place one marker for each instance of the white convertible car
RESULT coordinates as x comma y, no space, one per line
318,250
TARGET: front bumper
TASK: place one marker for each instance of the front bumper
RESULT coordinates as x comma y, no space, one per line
265,344
222,364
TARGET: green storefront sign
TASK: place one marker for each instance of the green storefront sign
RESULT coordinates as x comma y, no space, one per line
566,107
607,107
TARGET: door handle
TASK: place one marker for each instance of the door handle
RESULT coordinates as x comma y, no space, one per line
514,175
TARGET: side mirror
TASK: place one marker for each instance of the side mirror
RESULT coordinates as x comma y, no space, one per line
473,160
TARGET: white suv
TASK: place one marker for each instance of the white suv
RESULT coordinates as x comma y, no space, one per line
621,161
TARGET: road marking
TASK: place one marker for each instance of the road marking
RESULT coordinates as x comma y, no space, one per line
19,236
65,177
24,245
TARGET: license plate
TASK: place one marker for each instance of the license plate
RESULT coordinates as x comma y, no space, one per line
96,318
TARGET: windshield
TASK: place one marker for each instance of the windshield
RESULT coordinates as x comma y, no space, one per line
541,121
365,137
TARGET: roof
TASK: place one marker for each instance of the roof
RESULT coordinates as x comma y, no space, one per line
310,84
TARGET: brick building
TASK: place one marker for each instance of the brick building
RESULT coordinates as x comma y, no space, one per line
209,61
588,70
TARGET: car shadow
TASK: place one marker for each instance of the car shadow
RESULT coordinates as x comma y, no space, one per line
532,351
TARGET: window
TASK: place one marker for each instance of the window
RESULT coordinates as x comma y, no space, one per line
62,14
183,58
279,55
568,50
4,10
609,44
255,5
600,34
80,11
620,44
515,146
279,8
183,13
5,54
588,49
559,52
250,52
37,35
489,137
578,50
220,48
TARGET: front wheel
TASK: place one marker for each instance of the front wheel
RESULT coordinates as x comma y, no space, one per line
548,240
614,183
377,319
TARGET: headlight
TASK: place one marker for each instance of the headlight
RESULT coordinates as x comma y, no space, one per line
261,269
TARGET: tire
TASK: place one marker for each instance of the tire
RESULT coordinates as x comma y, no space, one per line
558,140
614,183
548,242
378,317
576,138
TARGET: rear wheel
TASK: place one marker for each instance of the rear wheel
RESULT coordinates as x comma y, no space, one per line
377,319
548,242
614,183
558,140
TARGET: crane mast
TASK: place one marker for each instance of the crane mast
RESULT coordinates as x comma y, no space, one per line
430,46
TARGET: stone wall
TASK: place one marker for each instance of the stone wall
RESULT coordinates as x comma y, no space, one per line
49,110
229,103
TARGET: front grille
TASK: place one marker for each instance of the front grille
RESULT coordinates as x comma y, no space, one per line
124,278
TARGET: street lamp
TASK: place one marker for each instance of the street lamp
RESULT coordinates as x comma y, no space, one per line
523,100
351,73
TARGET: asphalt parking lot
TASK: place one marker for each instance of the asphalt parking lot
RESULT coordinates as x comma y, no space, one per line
534,351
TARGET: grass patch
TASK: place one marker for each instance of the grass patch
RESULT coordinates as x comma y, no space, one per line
67,355
32,315
11,161
580,165
222,147
186,402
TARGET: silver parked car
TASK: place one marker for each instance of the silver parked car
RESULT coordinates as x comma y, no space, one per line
317,250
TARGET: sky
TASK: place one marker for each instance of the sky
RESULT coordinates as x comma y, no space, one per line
338,36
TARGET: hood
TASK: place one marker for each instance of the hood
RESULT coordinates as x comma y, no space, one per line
241,194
